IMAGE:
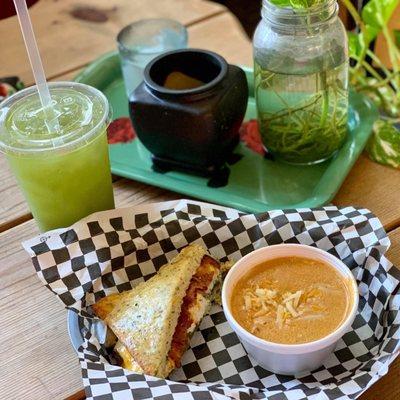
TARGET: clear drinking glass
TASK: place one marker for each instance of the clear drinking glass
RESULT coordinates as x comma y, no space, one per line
141,41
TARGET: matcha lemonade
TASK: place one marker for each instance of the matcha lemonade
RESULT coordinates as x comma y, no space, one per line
64,172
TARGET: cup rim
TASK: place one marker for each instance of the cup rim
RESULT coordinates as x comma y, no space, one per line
299,348
142,22
31,90
149,82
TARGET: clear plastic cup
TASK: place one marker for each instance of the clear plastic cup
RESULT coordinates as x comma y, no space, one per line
141,41
64,175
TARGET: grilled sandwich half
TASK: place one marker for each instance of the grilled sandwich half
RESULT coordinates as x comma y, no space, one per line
153,322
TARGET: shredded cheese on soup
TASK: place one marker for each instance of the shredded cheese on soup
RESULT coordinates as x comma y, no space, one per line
291,300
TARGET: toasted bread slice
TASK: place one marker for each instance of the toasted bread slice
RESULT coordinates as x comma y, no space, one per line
105,305
145,318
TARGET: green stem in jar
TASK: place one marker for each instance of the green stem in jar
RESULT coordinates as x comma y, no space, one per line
325,98
292,111
313,127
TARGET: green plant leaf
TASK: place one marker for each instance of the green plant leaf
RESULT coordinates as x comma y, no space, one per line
371,32
297,4
396,33
281,3
384,144
354,44
376,13
358,41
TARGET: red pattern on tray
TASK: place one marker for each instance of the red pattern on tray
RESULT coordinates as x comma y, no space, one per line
121,131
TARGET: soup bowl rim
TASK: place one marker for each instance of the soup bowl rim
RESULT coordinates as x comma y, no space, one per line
294,250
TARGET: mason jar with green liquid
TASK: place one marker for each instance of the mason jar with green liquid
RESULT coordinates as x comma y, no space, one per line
62,167
301,79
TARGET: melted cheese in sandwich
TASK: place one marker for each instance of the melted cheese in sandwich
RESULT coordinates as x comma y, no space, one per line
127,360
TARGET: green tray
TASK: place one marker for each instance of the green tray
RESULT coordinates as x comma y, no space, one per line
255,184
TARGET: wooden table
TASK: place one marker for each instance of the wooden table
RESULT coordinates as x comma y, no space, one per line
36,357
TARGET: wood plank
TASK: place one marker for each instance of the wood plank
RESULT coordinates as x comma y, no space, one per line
12,203
394,250
373,186
72,33
34,321
388,387
224,35
77,396
128,192
231,41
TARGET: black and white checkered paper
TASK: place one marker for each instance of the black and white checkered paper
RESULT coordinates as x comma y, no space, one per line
112,251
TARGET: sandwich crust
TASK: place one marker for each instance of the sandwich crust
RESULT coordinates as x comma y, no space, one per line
105,305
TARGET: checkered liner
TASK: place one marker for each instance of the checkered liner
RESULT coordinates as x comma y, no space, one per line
112,251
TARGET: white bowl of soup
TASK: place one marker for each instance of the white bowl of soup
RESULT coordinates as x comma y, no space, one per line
290,304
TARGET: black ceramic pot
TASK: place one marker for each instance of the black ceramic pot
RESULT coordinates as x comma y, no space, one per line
194,130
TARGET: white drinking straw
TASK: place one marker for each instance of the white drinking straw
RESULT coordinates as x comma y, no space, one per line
36,64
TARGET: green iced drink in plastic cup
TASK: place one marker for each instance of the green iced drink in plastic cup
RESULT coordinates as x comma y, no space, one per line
64,172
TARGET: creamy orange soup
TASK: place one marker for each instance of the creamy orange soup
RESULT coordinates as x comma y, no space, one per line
291,300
